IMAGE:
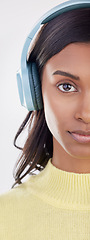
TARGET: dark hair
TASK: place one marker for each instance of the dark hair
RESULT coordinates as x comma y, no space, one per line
69,27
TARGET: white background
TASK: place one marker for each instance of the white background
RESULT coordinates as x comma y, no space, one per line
17,18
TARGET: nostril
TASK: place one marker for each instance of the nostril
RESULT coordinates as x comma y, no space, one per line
80,119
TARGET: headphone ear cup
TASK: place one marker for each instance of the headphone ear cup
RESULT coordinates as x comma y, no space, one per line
35,86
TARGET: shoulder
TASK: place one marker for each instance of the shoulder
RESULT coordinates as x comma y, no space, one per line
16,201
22,195
16,192
16,196
20,192
16,205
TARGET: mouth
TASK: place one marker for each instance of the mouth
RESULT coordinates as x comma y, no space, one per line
79,137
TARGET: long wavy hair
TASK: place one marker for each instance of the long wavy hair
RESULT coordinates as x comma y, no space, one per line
69,27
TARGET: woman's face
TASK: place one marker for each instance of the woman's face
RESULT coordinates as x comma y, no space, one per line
66,97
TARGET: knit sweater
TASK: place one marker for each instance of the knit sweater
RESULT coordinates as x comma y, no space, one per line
52,205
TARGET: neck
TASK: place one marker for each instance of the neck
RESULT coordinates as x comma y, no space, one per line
63,189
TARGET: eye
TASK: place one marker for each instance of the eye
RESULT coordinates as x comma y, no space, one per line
66,87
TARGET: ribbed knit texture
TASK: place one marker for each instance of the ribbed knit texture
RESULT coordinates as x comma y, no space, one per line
53,205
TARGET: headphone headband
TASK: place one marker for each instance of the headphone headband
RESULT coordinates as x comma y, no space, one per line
23,80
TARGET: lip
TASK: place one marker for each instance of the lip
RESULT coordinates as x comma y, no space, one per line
80,132
81,136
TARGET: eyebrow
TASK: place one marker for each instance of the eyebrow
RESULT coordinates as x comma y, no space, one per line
66,74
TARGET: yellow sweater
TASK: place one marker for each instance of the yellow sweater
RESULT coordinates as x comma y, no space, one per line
53,205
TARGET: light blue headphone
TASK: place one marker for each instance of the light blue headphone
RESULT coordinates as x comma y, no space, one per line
29,86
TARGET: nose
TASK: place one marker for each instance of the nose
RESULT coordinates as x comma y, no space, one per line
83,109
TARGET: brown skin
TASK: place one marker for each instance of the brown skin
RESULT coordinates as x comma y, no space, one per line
68,110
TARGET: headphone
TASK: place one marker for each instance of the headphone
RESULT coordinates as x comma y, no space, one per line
29,86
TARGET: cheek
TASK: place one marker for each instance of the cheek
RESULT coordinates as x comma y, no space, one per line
58,109
56,114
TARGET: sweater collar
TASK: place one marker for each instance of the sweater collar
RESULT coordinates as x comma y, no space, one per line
62,188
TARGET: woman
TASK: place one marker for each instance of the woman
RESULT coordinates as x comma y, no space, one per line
55,203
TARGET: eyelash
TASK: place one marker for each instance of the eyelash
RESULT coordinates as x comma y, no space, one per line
67,83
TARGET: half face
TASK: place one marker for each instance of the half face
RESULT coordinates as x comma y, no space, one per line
66,98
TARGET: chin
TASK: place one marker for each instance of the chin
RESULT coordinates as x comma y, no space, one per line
78,152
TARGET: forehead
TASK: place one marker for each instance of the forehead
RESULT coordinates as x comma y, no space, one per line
72,54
